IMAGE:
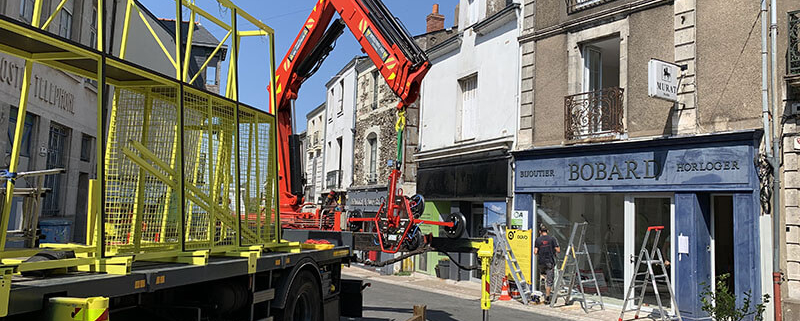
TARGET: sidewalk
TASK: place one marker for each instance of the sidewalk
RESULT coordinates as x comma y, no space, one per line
472,291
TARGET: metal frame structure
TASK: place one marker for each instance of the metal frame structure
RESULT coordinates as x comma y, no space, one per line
186,172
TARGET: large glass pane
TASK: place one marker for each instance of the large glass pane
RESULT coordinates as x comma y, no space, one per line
654,212
605,237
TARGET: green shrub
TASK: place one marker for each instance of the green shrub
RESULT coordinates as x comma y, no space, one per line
721,305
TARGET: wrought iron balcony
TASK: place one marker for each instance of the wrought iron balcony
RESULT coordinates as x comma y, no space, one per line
794,43
372,178
594,114
334,179
578,5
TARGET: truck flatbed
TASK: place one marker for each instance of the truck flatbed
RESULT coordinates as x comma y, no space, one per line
29,294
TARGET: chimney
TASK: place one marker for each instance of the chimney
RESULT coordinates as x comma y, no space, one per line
434,20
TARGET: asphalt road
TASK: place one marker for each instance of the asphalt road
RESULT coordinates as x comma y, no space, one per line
387,302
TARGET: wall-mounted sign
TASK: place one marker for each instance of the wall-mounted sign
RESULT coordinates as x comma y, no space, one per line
519,220
685,167
662,80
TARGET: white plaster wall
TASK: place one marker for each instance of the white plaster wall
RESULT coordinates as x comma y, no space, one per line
495,58
340,124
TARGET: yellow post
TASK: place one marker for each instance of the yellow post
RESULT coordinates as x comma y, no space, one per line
141,181
185,73
78,309
211,176
15,149
274,134
125,29
93,207
485,254
5,289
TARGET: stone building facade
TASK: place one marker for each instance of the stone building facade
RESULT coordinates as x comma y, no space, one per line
315,138
594,146
375,135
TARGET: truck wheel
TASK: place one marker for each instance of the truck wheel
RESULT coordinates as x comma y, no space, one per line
303,300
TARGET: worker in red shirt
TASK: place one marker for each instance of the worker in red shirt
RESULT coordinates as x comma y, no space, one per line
545,250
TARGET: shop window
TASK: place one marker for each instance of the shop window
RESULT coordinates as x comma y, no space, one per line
468,105
605,236
27,131
65,20
87,144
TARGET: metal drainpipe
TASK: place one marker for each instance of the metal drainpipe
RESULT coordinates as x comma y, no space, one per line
777,275
764,80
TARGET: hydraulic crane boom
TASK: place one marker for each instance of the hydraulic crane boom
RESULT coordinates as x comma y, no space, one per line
387,43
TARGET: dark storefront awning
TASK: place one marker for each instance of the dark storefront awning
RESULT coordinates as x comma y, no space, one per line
481,179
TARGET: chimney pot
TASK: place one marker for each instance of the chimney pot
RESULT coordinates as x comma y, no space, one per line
434,21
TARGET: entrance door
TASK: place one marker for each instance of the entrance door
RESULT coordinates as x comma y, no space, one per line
643,211
722,238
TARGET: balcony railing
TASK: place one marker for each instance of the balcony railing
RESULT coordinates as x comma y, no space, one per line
578,5
594,114
372,178
334,179
794,43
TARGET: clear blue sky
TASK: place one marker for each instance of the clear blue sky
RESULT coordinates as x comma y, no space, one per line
287,17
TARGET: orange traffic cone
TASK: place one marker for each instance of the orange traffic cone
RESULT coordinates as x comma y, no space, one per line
504,290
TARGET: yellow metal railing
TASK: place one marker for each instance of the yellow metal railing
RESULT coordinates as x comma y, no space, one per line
181,173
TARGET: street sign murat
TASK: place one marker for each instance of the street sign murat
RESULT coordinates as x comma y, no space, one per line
662,79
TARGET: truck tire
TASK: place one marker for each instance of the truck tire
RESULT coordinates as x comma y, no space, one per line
303,302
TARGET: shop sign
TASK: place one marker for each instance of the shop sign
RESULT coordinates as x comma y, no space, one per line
367,200
520,242
519,220
12,73
662,80
670,168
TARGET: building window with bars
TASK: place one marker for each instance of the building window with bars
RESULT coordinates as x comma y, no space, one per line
57,150
87,145
27,131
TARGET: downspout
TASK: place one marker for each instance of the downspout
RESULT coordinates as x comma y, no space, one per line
777,115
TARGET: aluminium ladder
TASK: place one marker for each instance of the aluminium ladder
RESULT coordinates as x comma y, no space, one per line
650,258
513,264
570,273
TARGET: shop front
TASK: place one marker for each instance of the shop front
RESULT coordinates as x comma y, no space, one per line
703,189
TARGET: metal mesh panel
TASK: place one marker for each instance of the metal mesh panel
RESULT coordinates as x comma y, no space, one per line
141,211
142,200
256,176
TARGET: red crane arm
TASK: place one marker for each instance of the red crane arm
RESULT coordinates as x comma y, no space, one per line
387,43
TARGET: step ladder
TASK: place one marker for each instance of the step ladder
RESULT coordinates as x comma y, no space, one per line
513,264
569,273
652,258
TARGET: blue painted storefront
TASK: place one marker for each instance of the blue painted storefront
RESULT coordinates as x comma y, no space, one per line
691,168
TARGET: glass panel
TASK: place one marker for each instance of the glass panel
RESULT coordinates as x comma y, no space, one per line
604,236
654,212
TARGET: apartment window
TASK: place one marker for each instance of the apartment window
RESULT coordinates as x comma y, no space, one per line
598,109
57,154
468,106
341,96
27,131
87,144
65,17
93,28
211,75
26,9
473,11
375,77
372,143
